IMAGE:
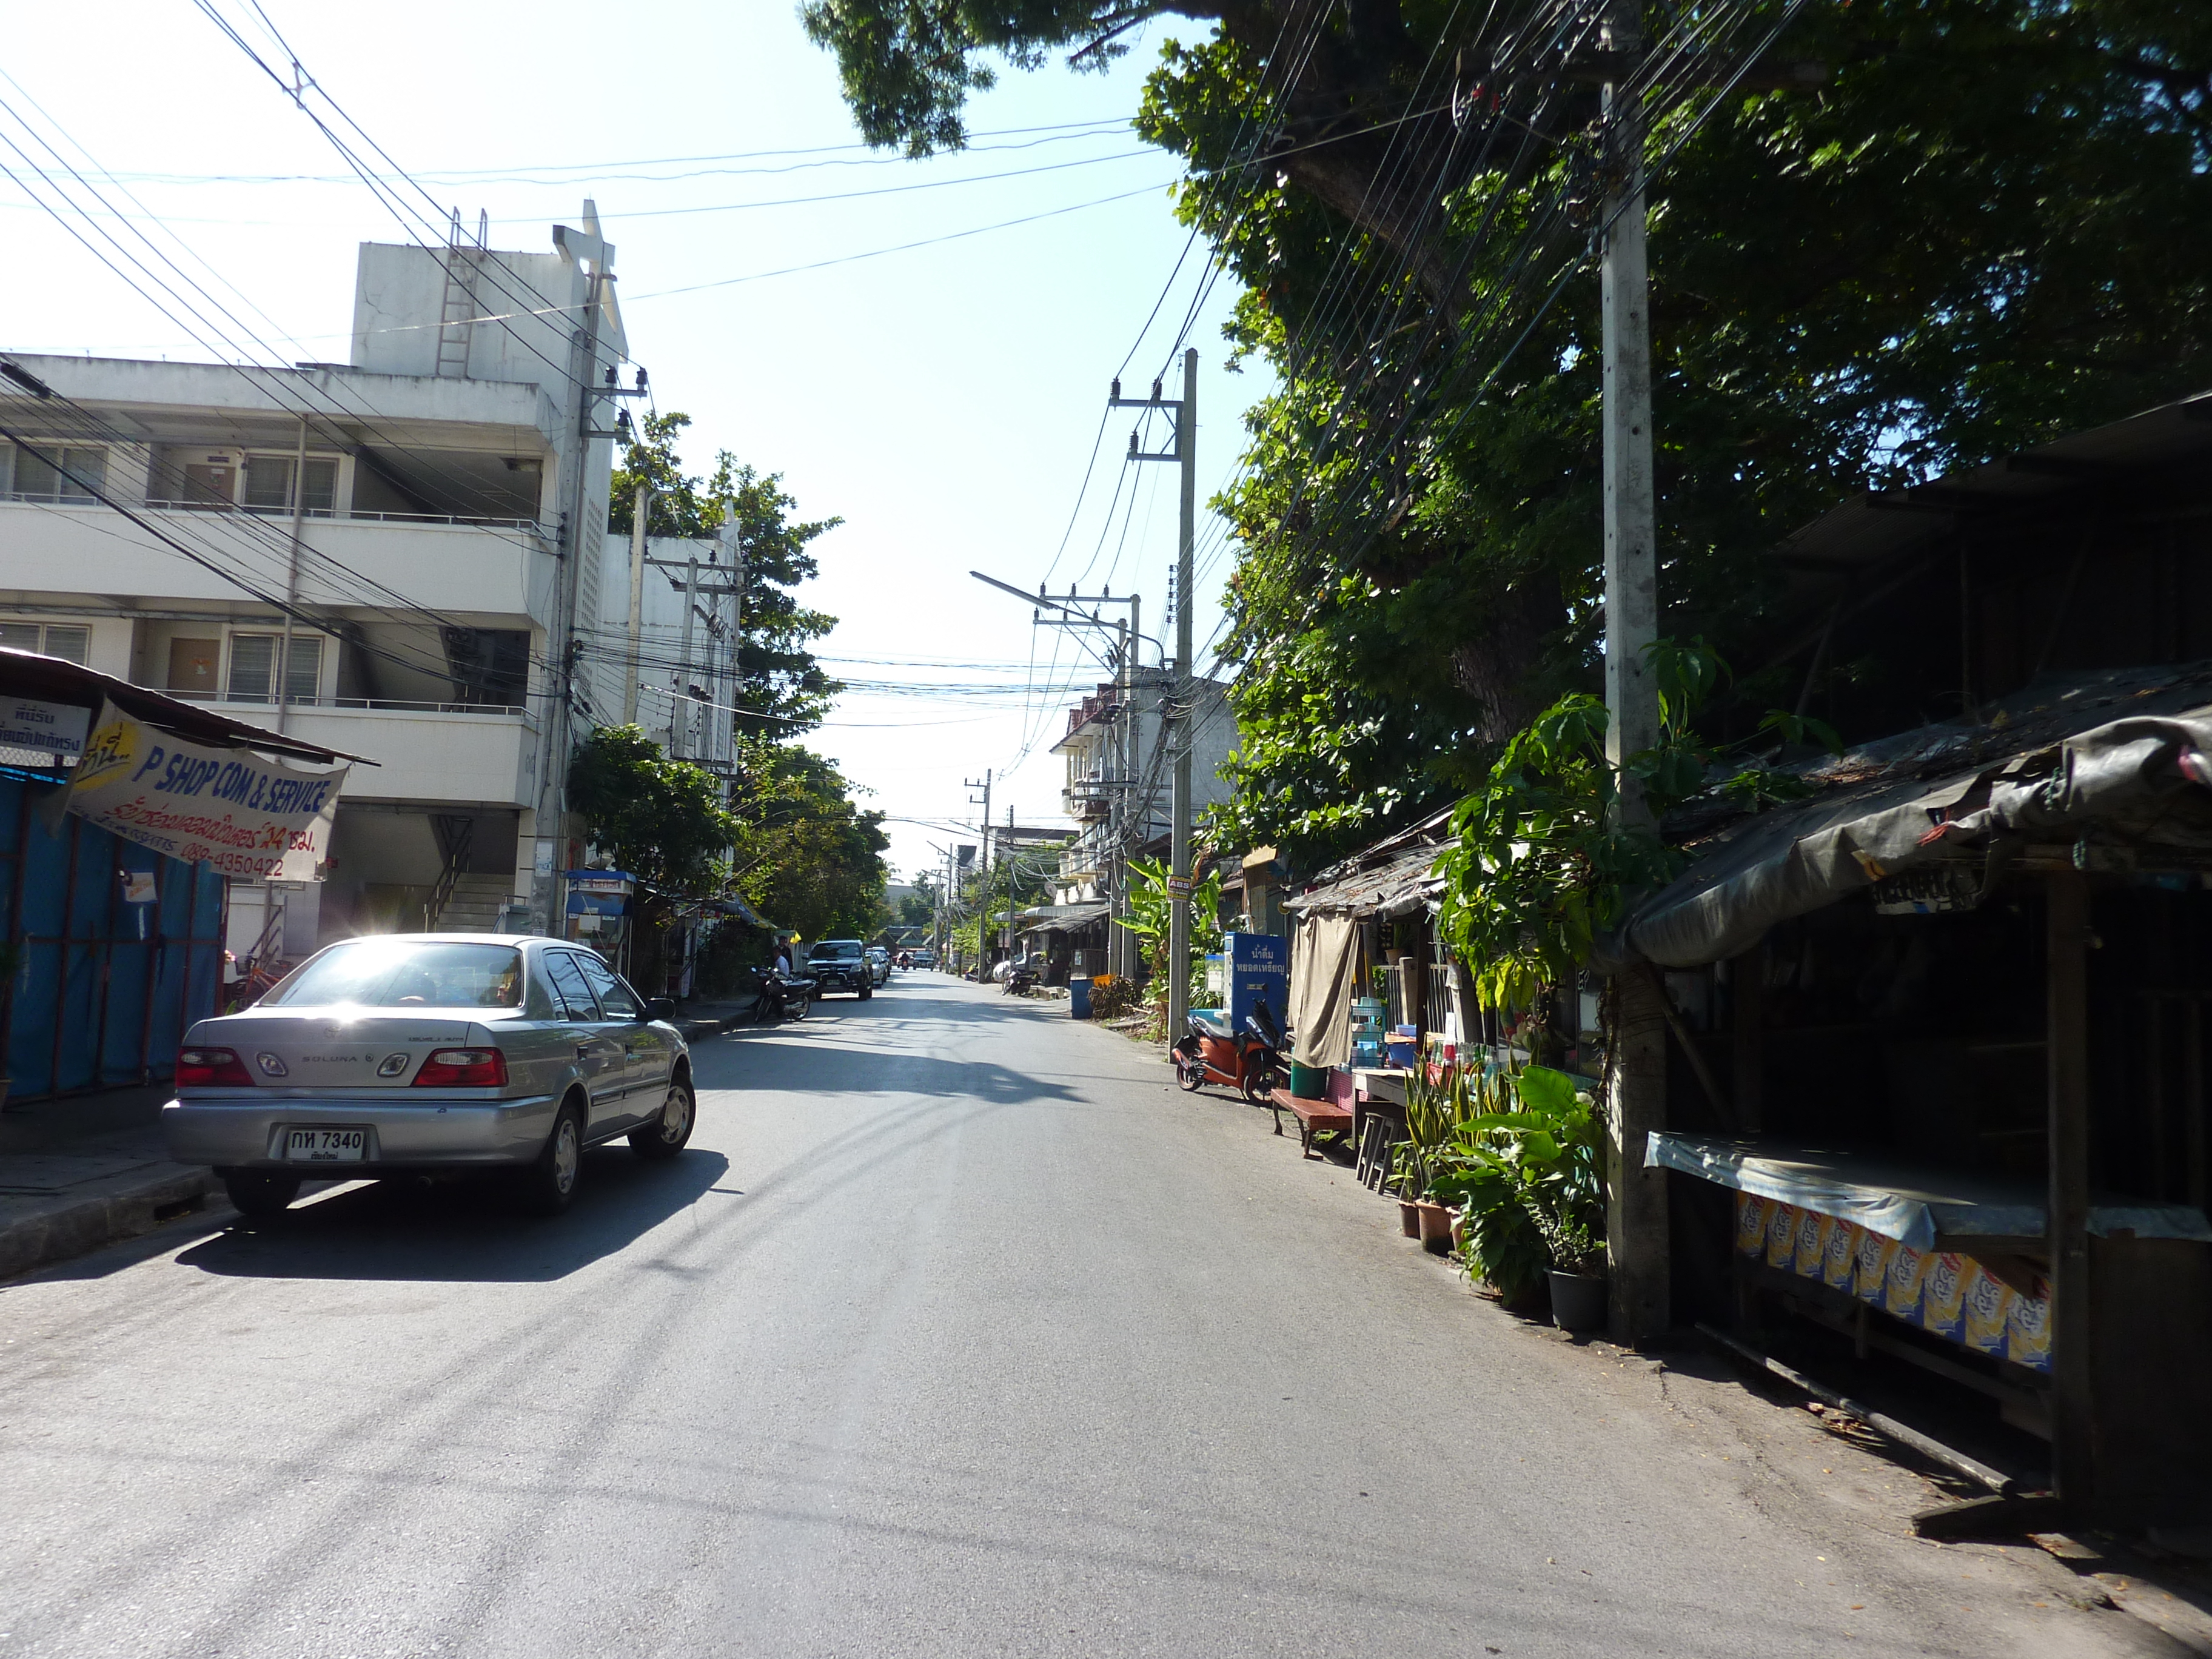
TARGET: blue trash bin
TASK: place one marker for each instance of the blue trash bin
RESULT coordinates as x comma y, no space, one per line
1078,997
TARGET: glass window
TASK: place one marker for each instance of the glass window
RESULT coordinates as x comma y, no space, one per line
569,986
322,490
392,973
211,483
616,997
253,668
60,474
303,670
269,483
70,644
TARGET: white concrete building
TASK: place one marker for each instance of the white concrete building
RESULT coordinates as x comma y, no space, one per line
1119,773
413,504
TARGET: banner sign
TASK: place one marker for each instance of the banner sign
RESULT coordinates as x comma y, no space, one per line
52,728
226,808
1179,886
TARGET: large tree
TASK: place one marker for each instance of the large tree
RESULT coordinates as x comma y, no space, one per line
809,858
783,690
1993,222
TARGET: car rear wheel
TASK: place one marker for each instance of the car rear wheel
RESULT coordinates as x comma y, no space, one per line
666,1135
260,1192
549,1185
866,991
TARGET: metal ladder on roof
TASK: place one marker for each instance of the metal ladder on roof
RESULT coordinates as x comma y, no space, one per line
457,317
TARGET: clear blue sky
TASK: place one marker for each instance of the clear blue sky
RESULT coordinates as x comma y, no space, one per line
943,401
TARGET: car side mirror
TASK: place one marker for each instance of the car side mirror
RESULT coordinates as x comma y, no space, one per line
660,1008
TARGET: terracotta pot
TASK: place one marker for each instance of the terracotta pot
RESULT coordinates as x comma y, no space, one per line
1436,1227
1409,1217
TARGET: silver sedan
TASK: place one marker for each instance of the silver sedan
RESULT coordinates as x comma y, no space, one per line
431,1052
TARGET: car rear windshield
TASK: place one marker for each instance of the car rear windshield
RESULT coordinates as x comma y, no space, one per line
392,973
833,953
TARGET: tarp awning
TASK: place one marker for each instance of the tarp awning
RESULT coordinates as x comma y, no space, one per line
1063,918
1918,1208
2110,761
52,679
1395,876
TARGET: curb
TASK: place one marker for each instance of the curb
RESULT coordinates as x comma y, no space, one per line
43,1230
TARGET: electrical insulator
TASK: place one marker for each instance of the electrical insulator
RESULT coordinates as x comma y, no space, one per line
1133,445
641,379
1116,394
1156,391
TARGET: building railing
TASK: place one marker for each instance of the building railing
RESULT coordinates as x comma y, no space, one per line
472,521
381,705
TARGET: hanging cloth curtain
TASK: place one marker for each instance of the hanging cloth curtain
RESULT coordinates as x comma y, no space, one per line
1324,980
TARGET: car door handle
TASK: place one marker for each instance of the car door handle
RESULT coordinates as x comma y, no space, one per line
584,1050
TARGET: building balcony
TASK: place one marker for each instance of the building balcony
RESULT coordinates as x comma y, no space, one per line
479,754
487,568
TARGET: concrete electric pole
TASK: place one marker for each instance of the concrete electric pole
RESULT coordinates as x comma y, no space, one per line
983,910
1636,1216
1176,703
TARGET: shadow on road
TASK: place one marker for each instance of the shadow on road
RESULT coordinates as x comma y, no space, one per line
461,1232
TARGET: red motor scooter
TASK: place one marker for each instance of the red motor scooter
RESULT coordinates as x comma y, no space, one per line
1251,1063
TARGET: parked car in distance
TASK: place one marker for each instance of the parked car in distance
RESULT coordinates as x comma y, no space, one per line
880,959
413,1054
841,965
925,957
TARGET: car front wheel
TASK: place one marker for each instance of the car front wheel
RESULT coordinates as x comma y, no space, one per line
666,1135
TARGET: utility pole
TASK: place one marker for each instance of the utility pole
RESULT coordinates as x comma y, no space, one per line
587,248
1010,883
1636,1216
638,512
679,730
983,910
1175,703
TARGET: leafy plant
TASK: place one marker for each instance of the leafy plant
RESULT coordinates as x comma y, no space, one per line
1150,905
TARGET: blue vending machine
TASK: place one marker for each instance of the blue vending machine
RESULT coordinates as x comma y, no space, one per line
1259,968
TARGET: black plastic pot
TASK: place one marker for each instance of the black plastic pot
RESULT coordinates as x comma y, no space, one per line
1578,1302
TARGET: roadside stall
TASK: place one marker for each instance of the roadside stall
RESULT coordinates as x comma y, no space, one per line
124,817
1369,986
1938,1062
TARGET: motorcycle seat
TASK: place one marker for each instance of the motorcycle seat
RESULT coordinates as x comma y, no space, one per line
1213,1028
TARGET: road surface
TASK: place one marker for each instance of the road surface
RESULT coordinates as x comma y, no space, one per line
958,1331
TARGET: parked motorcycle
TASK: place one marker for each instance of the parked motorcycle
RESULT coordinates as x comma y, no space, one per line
1021,980
1249,1062
782,997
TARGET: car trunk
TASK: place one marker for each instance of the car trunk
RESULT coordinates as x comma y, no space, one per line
339,1049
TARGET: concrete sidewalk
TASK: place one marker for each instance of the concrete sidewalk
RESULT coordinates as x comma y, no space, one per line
85,1170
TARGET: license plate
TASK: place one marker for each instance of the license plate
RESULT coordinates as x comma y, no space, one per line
325,1146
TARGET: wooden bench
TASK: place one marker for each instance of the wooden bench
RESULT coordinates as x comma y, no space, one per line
1313,1117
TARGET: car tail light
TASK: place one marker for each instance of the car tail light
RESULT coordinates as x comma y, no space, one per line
463,1068
212,1065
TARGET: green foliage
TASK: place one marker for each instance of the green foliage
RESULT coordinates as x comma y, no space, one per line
1520,1154
663,820
918,908
782,687
809,859
1150,906
907,66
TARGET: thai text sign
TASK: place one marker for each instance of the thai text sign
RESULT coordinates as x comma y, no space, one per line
56,728
226,808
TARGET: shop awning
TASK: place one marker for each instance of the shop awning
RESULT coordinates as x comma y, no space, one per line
1915,1205
731,905
2110,769
1061,918
24,674
1395,876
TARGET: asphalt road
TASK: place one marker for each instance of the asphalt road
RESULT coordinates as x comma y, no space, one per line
958,1331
